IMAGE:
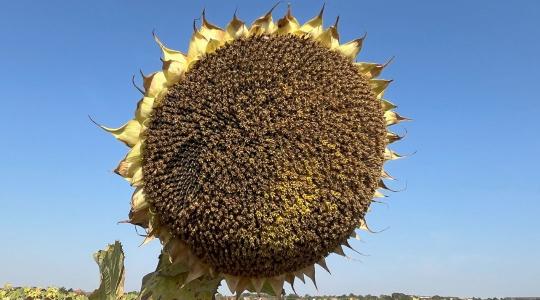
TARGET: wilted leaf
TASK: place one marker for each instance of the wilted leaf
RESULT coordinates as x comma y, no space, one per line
111,267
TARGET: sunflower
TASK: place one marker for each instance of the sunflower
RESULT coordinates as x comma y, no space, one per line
258,153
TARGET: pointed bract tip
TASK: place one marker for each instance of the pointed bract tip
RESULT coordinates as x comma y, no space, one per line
203,17
93,121
321,12
135,85
389,61
289,12
269,13
336,23
195,29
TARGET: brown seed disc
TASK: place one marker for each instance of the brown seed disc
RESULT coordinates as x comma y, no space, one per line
266,156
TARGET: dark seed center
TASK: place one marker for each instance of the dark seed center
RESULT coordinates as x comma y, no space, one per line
266,156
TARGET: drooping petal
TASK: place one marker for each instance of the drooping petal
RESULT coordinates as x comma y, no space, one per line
313,27
322,263
339,251
392,137
310,272
137,179
127,168
173,71
300,275
236,29
197,46
144,109
127,133
154,83
140,217
355,235
138,200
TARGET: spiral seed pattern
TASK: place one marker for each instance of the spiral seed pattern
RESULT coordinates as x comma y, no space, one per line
266,156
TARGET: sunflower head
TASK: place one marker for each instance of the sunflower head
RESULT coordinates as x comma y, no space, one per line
258,152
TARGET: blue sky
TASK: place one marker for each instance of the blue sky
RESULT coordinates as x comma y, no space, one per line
467,72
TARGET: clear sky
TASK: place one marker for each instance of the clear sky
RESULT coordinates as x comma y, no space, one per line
467,72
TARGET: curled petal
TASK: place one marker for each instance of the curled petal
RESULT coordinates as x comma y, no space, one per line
137,179
169,54
154,83
140,217
255,30
213,45
390,155
385,175
392,137
138,200
127,133
173,71
211,31
197,46
236,29
127,168
144,109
